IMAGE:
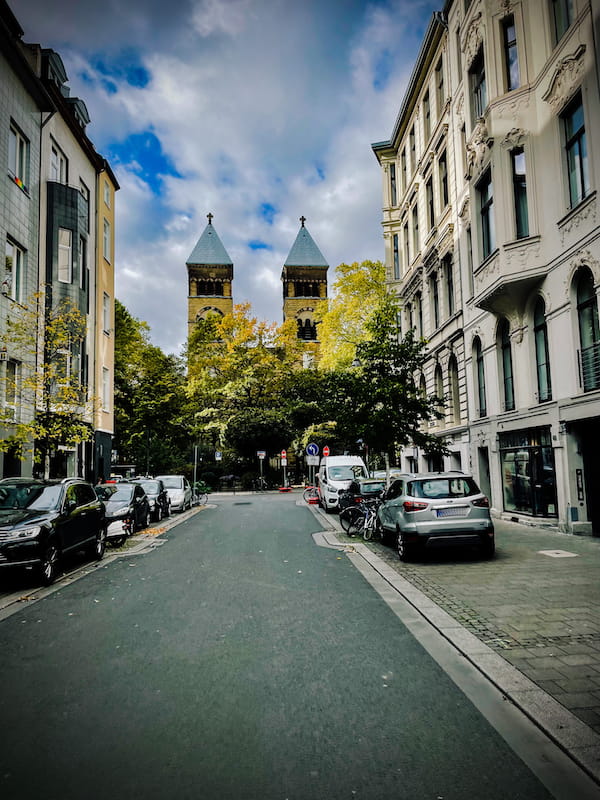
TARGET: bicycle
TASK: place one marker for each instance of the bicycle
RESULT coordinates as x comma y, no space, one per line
310,494
366,522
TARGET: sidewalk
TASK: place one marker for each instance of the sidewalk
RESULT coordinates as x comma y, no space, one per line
529,619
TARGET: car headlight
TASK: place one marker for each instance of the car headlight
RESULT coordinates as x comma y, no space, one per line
24,533
121,510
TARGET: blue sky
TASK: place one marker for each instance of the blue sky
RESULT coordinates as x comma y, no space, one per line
258,111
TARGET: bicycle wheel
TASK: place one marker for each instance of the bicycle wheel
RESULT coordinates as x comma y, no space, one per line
347,516
357,526
368,531
309,493
202,499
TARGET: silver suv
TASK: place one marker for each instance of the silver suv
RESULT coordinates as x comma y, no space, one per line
436,509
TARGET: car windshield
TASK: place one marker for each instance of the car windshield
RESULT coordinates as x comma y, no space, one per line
442,488
151,487
122,494
34,496
342,473
173,482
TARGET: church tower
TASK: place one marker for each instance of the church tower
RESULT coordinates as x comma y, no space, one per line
210,273
304,279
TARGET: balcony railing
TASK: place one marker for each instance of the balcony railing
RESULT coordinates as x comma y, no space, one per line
589,367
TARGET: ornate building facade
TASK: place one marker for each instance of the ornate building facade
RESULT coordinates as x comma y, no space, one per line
492,237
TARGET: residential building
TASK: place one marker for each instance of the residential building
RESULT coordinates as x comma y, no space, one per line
304,278
512,327
68,259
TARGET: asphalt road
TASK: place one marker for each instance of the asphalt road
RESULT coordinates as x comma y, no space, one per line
238,660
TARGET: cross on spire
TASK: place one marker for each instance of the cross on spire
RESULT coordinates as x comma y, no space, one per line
302,220
210,216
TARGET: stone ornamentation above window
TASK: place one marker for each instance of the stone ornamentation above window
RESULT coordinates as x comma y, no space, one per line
473,39
566,79
516,137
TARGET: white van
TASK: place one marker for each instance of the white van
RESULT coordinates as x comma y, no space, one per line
335,474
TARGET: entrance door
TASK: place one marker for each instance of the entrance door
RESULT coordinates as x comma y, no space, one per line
483,458
590,435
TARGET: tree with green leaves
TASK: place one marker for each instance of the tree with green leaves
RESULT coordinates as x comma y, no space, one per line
152,425
377,402
356,293
57,410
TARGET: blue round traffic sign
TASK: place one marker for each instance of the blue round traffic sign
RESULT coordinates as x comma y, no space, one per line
312,449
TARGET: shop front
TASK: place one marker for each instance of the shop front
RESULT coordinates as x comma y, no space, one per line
528,472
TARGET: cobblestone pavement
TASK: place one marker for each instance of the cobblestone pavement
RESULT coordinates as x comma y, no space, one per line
537,604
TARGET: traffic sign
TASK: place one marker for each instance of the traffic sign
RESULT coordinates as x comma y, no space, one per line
261,453
325,451
312,449
218,455
312,461
284,454
283,461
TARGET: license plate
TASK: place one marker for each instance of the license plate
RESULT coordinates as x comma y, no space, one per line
455,511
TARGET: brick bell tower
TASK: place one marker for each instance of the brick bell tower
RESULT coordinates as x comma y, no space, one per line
210,275
304,278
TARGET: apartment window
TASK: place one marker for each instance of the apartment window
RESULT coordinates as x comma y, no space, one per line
106,240
403,170
562,16
485,191
426,117
105,389
589,330
470,259
435,300
65,255
413,150
443,179
393,197
576,151
440,90
11,389
542,358
406,245
106,194
82,264
449,271
458,53
18,157
507,370
439,393
415,229
14,270
511,56
411,321
478,85
429,204
454,389
396,258
519,178
106,313
85,193
59,166
419,314
479,377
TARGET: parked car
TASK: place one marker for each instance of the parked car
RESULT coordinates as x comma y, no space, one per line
359,490
158,497
40,521
440,509
127,509
179,491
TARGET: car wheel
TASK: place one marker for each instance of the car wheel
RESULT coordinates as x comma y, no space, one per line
405,551
49,565
99,545
145,520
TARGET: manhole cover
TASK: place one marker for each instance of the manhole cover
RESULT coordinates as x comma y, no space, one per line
558,553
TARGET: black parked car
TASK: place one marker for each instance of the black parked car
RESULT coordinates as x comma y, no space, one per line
361,489
127,509
160,504
42,520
